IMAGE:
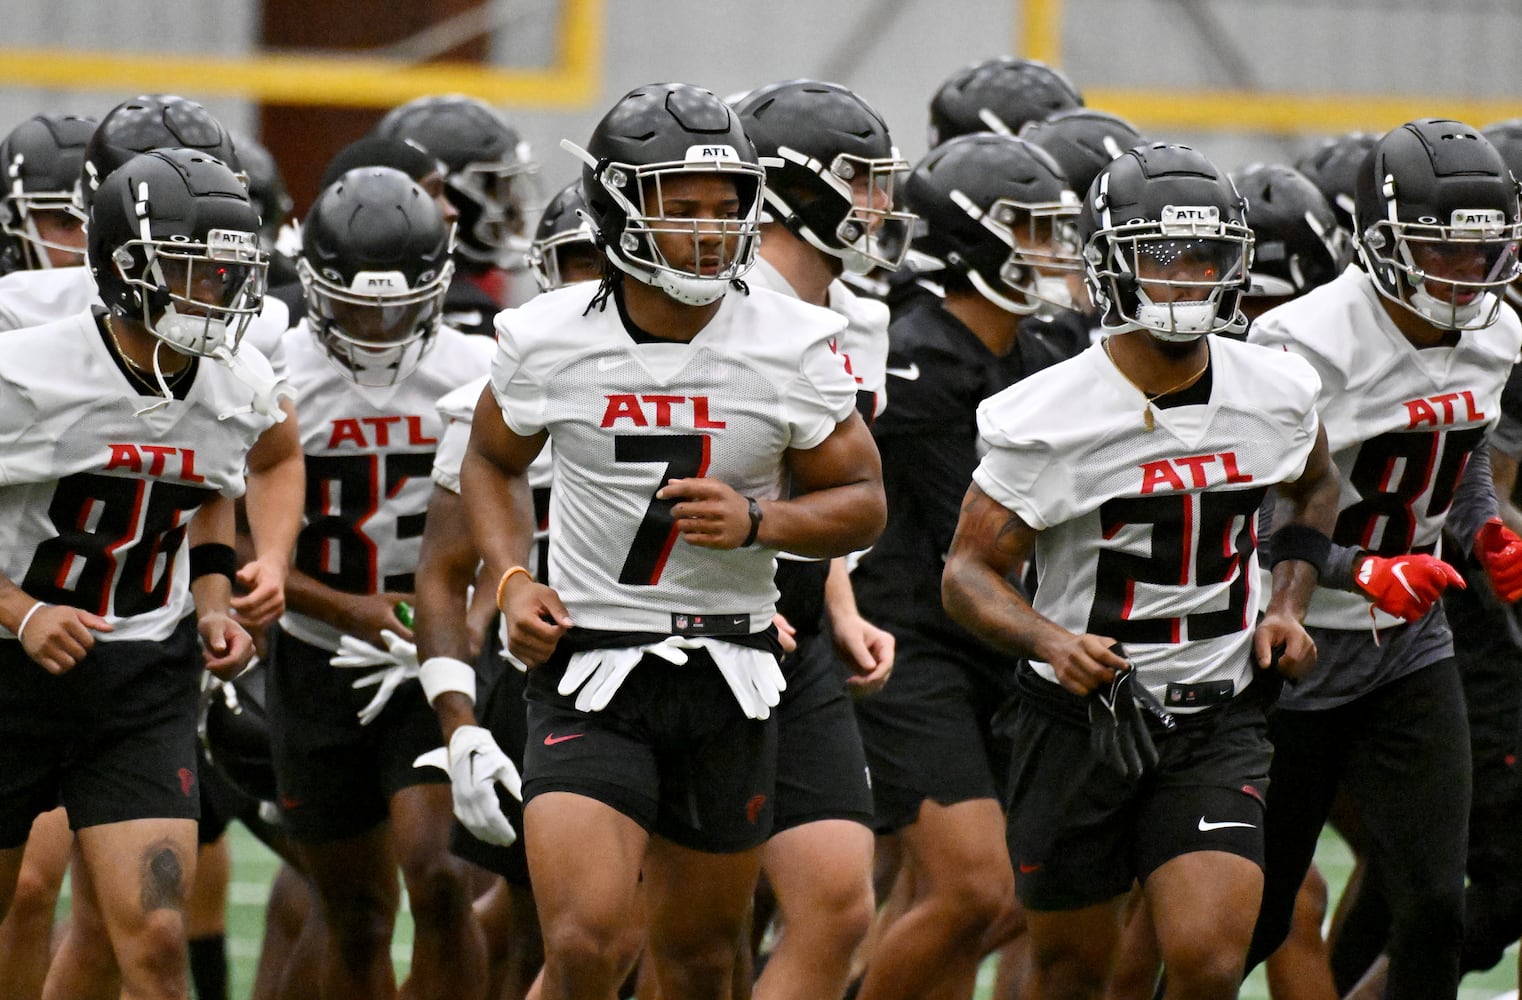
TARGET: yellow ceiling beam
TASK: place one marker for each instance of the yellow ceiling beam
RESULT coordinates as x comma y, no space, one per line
332,80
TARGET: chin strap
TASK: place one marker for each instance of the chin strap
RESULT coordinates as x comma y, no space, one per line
158,374
267,390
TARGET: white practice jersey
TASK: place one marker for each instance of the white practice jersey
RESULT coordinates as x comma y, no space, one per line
458,411
625,418
31,298
95,500
1150,538
369,458
1400,422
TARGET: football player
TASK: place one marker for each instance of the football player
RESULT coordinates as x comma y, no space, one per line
122,462
997,218
41,217
1132,475
483,729
1412,352
369,363
38,296
831,171
490,177
675,411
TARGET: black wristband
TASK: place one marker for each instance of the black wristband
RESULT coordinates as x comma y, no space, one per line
213,557
755,522
1298,541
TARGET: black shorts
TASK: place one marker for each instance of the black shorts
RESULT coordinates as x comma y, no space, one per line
335,776
930,732
672,751
502,710
821,767
113,739
1080,834
221,803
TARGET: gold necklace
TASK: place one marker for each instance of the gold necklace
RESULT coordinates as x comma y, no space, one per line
1149,397
141,374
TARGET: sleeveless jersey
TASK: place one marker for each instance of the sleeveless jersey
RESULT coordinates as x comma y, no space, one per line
1400,422
95,499
625,418
1150,538
369,454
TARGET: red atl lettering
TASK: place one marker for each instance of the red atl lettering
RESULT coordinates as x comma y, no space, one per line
1424,412
130,457
159,453
700,417
352,430
415,435
382,426
631,407
124,456
1169,473
346,431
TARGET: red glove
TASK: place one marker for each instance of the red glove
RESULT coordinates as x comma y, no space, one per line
1407,586
1499,550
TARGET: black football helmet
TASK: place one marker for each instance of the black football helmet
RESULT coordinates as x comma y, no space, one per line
375,265
235,732
1333,166
1082,141
1164,215
152,121
1297,244
998,95
562,227
40,164
173,243
998,210
491,171
266,186
1437,205
656,132
831,169
1507,138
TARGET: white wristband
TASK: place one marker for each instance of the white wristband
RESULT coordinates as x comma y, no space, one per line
28,617
444,673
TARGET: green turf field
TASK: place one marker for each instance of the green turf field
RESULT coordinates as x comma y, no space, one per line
254,866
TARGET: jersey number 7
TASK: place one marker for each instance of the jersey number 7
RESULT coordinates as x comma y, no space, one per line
686,457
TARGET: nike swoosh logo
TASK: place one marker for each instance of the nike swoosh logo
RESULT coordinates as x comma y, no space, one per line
607,364
1026,869
910,374
1399,572
552,739
1206,826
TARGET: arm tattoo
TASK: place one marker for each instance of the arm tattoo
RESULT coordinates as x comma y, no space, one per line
1012,524
162,874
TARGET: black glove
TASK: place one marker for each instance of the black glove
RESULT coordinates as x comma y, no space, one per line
1118,733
